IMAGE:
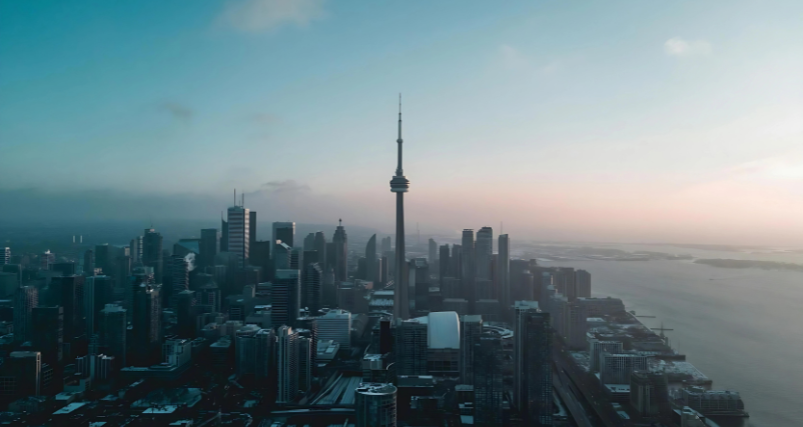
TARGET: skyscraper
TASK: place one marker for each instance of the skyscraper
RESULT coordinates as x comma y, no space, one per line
239,233
284,232
483,252
210,240
252,228
532,364
5,255
89,263
468,268
151,254
433,252
319,246
113,328
287,364
49,339
286,296
313,280
224,235
470,332
488,385
371,262
444,264
376,405
135,249
309,242
147,324
25,299
70,291
179,277
503,267
399,185
340,253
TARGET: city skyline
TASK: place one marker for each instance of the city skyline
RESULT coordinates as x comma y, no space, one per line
557,104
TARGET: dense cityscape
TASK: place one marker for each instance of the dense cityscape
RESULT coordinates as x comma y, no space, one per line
225,329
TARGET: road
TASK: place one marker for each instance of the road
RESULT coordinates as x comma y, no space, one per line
590,393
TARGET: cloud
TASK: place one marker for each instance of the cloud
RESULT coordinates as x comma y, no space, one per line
676,46
265,118
286,187
512,58
256,16
178,111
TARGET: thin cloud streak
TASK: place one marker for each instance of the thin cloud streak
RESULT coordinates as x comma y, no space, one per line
677,46
256,16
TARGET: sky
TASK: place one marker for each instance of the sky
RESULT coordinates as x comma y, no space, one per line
629,121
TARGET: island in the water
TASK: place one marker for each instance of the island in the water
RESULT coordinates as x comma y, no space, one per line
747,263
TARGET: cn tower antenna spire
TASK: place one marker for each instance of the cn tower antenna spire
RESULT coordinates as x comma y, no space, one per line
400,141
400,185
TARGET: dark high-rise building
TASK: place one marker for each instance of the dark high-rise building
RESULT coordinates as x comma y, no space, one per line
5,255
224,235
287,364
433,252
113,328
444,263
320,246
470,332
283,232
468,268
105,257
152,253
147,325
210,241
49,338
488,385
309,242
583,283
532,364
70,294
89,263
26,299
286,297
27,367
136,249
239,234
418,280
179,277
371,261
483,252
503,273
313,290
399,185
375,405
340,253
411,347
186,314
252,228
98,291
65,268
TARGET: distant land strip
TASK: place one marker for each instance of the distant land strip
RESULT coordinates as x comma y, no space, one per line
746,263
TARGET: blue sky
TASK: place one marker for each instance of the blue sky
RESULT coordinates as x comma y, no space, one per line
648,114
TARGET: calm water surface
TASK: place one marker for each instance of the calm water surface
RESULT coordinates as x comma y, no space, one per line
742,327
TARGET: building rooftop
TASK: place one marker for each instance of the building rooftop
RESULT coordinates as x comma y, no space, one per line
444,330
376,389
70,408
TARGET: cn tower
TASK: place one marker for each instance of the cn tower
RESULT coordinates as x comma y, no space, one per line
399,185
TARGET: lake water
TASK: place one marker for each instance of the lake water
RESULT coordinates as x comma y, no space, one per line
743,328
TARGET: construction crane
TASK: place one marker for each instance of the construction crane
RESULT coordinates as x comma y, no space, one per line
662,329
648,317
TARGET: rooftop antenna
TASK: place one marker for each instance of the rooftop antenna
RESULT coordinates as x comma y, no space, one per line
340,222
501,227
235,197
242,197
